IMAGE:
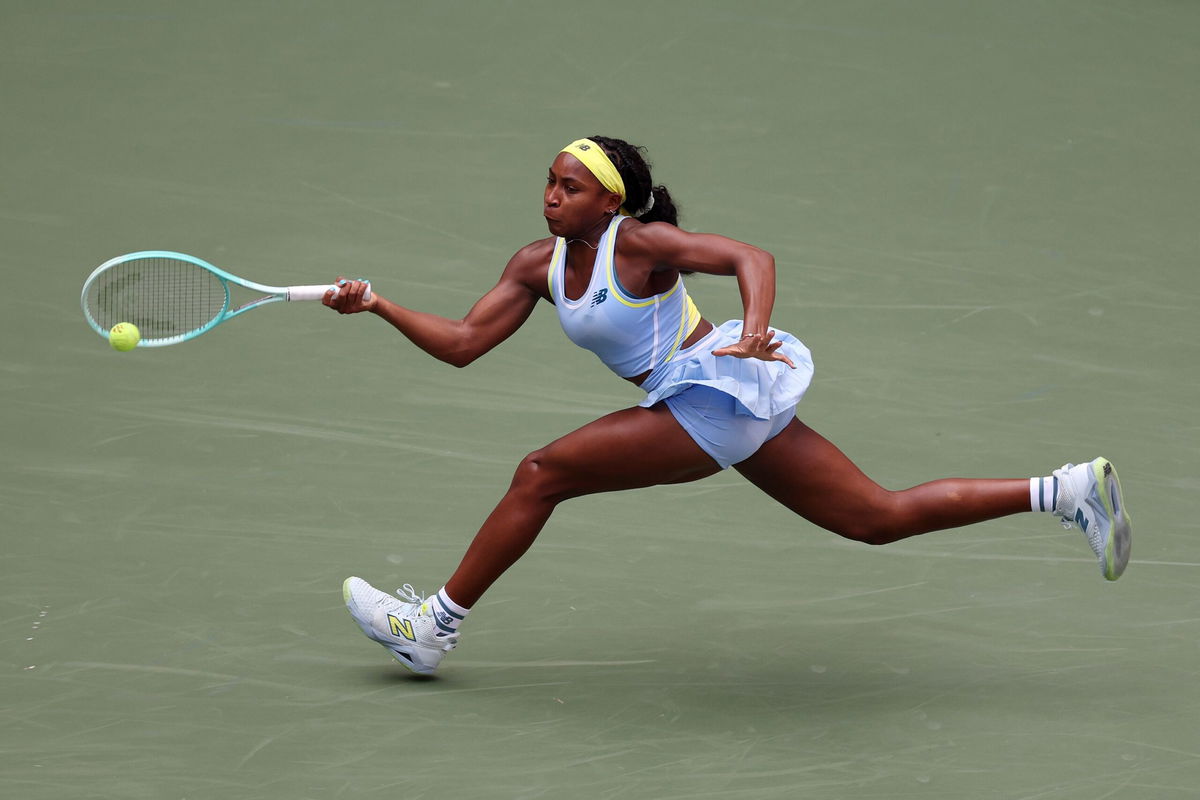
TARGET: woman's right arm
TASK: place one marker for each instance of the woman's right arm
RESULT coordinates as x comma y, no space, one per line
492,319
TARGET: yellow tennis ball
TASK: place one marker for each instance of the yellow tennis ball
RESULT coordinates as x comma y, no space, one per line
124,336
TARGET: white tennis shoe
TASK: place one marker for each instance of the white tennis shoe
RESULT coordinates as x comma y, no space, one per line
1089,495
405,626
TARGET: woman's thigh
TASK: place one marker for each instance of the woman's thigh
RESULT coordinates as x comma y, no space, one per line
808,474
628,449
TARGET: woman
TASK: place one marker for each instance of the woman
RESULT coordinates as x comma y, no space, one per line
716,397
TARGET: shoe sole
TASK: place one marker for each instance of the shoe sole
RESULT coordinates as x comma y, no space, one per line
1119,544
401,658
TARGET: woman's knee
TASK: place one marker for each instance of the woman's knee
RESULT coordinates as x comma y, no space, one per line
880,520
536,475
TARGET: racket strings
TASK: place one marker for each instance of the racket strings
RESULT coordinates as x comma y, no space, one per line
163,297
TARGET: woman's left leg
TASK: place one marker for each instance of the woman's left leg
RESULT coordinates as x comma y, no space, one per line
808,474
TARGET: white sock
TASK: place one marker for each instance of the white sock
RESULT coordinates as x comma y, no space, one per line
1043,493
447,613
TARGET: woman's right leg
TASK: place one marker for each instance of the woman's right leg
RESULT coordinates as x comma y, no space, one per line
629,449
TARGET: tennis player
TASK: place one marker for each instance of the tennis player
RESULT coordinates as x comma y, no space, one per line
716,397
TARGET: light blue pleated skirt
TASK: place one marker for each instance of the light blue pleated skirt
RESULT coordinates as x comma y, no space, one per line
762,389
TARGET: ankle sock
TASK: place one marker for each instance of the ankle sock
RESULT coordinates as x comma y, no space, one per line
447,613
1043,493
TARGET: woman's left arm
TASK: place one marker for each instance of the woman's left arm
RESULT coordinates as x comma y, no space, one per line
664,246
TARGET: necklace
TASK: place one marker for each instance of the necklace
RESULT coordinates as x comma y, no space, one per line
595,246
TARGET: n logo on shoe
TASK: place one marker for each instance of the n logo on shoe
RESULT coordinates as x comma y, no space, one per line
401,627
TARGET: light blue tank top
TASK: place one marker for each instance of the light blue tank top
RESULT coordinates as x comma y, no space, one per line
631,335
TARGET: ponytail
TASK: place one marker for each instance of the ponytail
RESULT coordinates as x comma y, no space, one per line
645,201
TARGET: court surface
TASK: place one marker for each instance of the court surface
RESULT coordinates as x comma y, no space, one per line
985,220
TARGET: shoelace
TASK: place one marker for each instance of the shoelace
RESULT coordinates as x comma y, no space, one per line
410,595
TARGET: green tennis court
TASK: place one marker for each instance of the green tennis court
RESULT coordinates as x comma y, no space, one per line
985,221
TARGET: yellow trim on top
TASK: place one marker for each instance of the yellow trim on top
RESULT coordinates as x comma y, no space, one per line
694,316
558,243
689,320
614,285
649,301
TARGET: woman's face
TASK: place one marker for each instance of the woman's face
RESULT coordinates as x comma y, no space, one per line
575,201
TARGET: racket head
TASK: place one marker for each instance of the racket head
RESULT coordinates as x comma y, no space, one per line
171,297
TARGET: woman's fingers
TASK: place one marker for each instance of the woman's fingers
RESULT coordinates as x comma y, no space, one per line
756,345
348,298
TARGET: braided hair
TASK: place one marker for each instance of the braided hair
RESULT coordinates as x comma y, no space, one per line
630,161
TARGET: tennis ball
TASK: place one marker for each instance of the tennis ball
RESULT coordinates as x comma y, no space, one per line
124,336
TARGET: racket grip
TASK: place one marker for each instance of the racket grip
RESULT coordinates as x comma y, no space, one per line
317,291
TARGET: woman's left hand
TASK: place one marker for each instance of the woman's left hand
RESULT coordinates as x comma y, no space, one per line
756,345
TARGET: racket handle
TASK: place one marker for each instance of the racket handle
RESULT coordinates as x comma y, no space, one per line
317,291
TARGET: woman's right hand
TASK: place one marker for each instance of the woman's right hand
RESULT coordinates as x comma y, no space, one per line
349,297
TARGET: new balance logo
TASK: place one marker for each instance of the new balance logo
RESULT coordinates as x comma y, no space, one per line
401,627
1081,519
599,297
444,618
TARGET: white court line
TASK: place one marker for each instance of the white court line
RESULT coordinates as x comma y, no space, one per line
1047,559
221,678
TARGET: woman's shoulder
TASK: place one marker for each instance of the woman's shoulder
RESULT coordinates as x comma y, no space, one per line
643,237
536,250
533,255
529,264
653,245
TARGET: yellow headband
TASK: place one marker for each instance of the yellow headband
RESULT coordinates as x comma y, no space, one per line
592,156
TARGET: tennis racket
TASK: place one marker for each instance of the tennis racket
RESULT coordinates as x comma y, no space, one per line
172,297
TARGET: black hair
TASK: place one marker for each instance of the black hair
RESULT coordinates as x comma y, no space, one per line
630,161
